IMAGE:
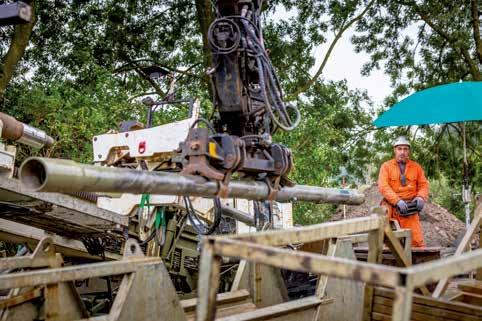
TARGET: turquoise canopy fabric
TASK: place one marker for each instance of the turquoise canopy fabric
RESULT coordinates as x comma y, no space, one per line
457,102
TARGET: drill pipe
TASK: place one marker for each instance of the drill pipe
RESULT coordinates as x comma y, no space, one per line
10,128
66,176
237,215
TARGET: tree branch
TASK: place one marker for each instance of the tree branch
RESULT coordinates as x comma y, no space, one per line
338,36
141,94
469,144
132,65
19,43
476,29
474,70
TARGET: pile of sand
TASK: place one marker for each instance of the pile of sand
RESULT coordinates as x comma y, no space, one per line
441,228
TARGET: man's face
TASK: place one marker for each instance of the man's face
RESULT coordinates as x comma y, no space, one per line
402,153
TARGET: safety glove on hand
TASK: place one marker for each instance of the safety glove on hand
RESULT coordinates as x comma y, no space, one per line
402,207
420,203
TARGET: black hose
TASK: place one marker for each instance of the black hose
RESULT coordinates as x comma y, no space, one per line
201,227
206,122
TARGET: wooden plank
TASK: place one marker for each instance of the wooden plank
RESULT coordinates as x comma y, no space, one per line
402,304
224,311
322,279
462,247
122,295
375,256
235,309
396,247
472,286
208,282
282,309
362,238
72,273
431,302
469,298
399,253
21,298
436,312
266,285
240,277
221,299
381,317
408,247
424,273
312,233
345,293
308,262
368,293
416,316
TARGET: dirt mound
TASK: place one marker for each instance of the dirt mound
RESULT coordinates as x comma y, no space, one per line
440,227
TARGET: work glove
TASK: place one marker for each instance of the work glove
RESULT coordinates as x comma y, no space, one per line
420,203
402,207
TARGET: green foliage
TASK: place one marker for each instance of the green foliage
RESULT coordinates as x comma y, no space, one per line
447,193
332,133
71,114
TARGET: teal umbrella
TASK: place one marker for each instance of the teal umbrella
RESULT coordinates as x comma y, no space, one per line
456,102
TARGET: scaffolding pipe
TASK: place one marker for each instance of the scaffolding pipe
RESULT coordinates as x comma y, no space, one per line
66,176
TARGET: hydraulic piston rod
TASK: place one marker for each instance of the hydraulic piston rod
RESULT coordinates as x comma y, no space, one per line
66,176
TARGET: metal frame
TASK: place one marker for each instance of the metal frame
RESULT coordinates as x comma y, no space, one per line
260,248
14,232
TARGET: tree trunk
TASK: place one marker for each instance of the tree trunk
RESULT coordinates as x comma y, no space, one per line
205,16
20,40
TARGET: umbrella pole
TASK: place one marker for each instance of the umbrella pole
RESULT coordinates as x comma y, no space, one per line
466,189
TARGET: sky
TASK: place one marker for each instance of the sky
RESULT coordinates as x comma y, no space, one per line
345,63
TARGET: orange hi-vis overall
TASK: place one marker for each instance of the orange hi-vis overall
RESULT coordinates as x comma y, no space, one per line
390,186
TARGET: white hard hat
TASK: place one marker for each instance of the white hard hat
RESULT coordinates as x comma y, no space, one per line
401,140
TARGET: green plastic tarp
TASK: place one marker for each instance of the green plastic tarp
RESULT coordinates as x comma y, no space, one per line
456,102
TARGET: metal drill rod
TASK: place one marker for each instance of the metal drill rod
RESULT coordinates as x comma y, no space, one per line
66,176
10,128
237,215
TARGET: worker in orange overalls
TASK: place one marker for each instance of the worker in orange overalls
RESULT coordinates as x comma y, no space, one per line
401,181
